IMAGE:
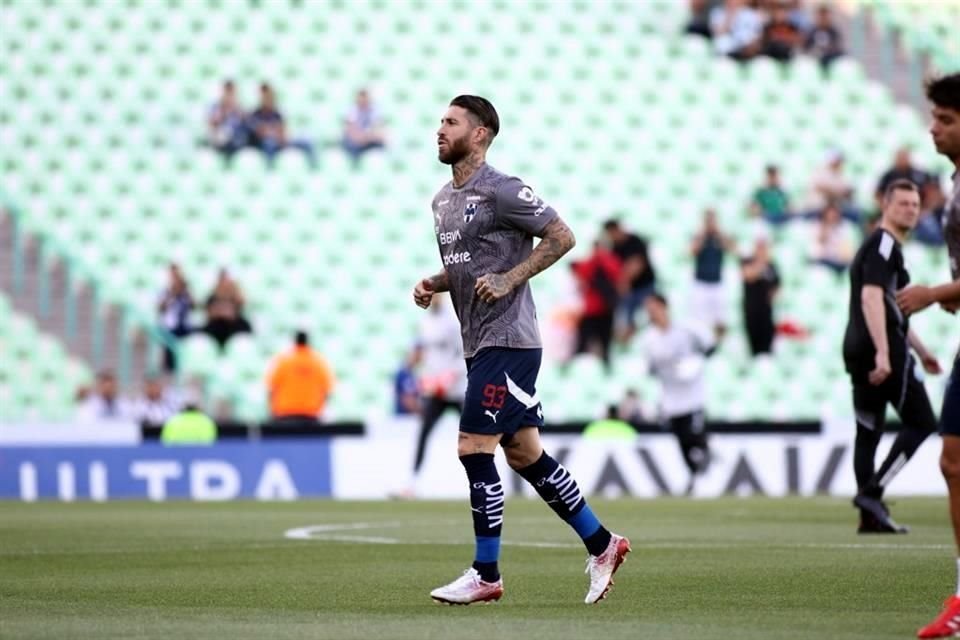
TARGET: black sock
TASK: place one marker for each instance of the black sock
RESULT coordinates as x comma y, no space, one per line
864,451
486,502
560,491
906,444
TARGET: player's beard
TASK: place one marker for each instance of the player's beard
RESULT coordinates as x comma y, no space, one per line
456,150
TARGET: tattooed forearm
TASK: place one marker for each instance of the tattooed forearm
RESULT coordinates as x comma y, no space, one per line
440,282
557,240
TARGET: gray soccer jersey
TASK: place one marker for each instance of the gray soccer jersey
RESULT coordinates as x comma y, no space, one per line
487,226
951,227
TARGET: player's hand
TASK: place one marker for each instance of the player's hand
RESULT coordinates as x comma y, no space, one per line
881,369
950,307
493,286
931,365
423,293
914,299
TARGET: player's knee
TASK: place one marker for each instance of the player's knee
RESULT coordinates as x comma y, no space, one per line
465,448
950,466
519,458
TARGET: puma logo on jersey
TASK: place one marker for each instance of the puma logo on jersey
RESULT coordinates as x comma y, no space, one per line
493,416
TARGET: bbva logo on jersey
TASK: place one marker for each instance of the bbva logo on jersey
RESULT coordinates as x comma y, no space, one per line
469,212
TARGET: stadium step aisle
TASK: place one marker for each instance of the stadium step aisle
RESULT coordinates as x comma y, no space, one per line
38,378
654,129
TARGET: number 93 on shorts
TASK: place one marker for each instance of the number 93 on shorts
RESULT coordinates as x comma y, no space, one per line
501,391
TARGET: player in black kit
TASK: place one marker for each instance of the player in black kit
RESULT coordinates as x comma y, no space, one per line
876,350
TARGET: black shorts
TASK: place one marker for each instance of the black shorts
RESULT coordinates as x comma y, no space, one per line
903,390
688,424
950,416
502,391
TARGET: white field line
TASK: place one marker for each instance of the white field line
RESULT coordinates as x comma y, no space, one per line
328,533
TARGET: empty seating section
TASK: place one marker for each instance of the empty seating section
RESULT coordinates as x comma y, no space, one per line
925,27
38,379
606,111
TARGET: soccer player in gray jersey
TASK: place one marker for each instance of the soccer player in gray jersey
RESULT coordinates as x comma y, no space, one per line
485,222
944,94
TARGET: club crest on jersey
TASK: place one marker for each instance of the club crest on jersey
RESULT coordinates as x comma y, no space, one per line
469,212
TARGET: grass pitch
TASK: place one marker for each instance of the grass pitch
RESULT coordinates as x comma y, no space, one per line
725,569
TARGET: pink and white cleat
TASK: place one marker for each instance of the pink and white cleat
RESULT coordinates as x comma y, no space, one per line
467,589
602,567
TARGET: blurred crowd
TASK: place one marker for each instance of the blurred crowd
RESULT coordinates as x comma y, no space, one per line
619,276
231,128
779,29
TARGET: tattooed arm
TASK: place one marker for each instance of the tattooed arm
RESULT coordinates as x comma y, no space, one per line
557,240
423,292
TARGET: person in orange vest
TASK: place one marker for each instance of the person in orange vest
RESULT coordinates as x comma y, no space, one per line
300,382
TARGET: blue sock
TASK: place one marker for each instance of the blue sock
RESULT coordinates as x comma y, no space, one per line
486,502
559,490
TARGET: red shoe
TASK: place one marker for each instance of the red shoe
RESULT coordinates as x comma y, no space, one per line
947,624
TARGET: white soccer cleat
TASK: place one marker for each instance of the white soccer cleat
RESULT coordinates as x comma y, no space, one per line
467,589
602,567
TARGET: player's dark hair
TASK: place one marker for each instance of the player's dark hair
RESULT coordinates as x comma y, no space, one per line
482,110
301,338
945,91
611,225
899,185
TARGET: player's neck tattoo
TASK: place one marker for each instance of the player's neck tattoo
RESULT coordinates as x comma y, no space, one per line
466,167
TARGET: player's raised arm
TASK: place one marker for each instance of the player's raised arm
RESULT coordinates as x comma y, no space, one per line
518,207
918,297
557,239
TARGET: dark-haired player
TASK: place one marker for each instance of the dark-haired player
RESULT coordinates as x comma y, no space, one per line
485,222
944,94
876,350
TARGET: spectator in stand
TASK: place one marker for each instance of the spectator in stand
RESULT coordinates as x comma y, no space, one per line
174,309
157,404
637,276
630,409
830,185
225,316
903,169
770,201
299,384
190,427
824,40
761,282
709,246
832,245
226,123
598,277
405,392
736,29
798,14
699,23
104,403
363,128
269,131
929,229
781,36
